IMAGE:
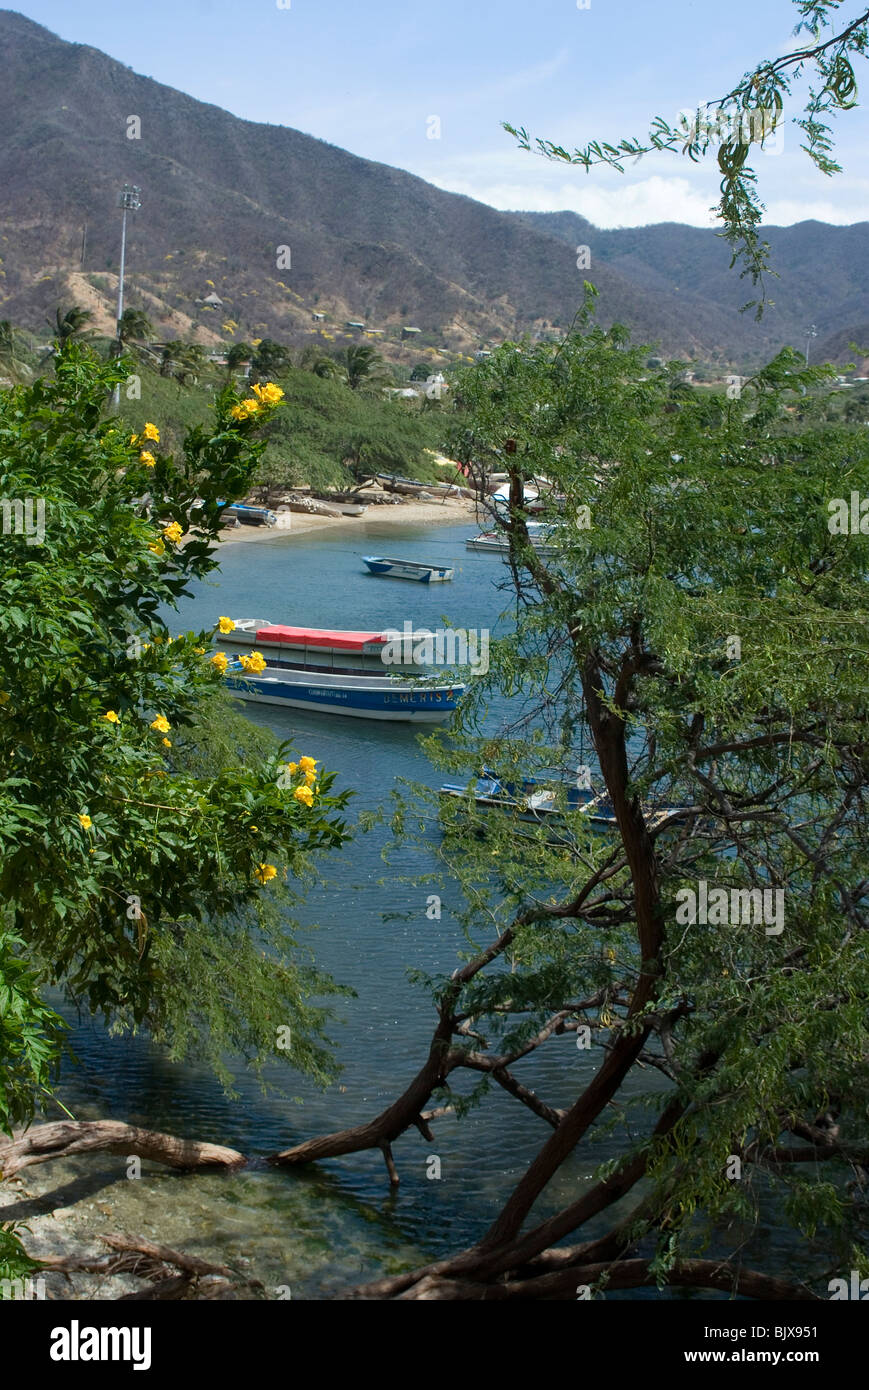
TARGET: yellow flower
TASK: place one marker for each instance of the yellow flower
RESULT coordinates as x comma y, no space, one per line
268,394
167,743
85,822
254,829
255,662
292,768
148,459
305,795
112,717
158,548
198,651
173,532
266,872
161,724
310,778
307,764
245,410
151,432
219,660
5,697
226,624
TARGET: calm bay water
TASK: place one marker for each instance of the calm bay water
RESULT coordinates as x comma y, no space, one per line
318,1229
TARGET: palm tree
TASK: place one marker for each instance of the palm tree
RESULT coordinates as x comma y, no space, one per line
69,326
364,367
328,369
169,357
190,361
134,326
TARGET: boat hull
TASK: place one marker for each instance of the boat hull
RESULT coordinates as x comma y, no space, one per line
357,698
399,569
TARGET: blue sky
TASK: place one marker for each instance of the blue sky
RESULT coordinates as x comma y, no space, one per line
369,75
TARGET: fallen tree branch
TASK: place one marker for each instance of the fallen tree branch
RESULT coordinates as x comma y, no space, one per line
42,1143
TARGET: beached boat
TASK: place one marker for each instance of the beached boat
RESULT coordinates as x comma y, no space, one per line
251,516
407,569
361,697
315,648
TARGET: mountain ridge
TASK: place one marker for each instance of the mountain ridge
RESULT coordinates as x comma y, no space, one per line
367,242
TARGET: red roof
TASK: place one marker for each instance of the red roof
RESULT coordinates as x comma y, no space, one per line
320,637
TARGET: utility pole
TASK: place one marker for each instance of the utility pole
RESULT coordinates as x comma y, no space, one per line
129,201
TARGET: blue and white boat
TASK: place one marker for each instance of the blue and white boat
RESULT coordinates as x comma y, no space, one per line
349,693
531,801
407,569
250,516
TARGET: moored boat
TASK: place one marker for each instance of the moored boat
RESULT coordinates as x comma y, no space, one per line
497,542
532,801
407,569
361,697
317,648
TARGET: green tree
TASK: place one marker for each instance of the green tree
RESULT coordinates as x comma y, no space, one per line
134,327
697,647
270,360
189,363
169,357
237,357
10,358
364,367
147,834
71,326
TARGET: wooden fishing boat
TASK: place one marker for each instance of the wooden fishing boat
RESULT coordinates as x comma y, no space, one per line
320,649
347,693
533,801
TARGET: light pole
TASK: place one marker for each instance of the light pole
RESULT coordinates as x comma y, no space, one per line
810,334
130,202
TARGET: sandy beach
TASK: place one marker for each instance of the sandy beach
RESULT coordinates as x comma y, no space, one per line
452,512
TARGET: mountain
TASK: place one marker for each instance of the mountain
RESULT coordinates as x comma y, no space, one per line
822,272
221,196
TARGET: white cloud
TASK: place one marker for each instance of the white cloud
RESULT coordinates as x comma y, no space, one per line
626,204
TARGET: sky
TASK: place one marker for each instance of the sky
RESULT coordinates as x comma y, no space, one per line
425,84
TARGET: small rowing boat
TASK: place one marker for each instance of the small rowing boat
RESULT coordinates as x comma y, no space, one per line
407,569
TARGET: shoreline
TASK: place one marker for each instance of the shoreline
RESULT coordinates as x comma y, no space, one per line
454,511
